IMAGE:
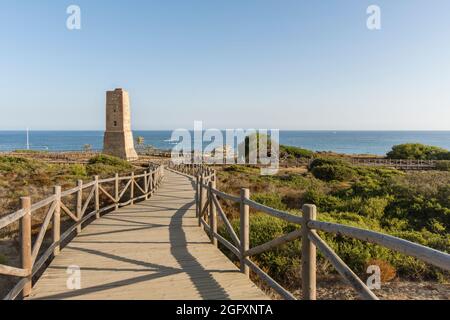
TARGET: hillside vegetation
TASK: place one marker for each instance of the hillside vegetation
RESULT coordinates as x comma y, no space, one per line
20,176
413,205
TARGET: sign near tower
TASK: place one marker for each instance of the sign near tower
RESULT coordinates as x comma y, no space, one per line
118,140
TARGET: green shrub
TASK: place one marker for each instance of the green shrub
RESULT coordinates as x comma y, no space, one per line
318,162
418,151
295,152
374,207
78,170
272,200
110,161
20,165
245,145
107,165
368,186
329,172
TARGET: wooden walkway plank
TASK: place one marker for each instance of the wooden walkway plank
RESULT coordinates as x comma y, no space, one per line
151,250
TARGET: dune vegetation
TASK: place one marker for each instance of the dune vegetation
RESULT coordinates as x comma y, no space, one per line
411,205
21,176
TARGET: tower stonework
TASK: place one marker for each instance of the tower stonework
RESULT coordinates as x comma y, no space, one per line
118,139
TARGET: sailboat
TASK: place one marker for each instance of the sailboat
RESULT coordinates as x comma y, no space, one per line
36,147
28,139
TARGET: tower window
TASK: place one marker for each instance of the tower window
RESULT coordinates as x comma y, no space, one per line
115,123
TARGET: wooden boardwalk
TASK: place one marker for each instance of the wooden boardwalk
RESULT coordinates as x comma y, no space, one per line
151,250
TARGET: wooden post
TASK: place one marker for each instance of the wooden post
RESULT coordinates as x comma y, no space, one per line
200,201
197,179
308,255
116,190
151,182
212,214
57,221
79,203
146,184
25,237
132,188
97,198
244,229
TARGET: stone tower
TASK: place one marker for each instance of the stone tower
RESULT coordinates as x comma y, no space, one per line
118,140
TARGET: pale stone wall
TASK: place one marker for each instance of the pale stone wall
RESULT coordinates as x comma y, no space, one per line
118,139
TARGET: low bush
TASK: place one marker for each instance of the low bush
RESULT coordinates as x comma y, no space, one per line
272,200
318,162
418,151
110,161
295,152
329,172
104,165
20,165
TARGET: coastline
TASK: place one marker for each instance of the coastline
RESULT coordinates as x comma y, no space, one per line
349,142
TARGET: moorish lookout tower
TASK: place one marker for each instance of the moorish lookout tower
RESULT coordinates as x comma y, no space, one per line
118,139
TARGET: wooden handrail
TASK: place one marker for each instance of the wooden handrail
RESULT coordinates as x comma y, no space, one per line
310,239
11,218
31,261
274,212
273,243
432,256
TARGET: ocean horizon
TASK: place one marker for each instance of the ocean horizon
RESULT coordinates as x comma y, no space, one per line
340,141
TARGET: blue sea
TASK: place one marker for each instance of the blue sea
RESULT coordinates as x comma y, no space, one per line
350,142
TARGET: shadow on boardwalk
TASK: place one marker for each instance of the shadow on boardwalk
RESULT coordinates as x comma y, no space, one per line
151,250
191,265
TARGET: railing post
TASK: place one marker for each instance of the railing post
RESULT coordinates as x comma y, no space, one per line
97,198
150,183
212,213
153,180
145,184
79,203
57,221
197,179
308,255
244,229
25,238
116,190
202,199
132,188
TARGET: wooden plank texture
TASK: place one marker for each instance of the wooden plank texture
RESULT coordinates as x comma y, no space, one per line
151,250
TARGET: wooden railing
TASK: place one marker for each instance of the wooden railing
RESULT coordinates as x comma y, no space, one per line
403,164
140,187
209,210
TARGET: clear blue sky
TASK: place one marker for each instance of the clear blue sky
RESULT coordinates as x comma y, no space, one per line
286,64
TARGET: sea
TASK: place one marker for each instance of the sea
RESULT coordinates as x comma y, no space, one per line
349,142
